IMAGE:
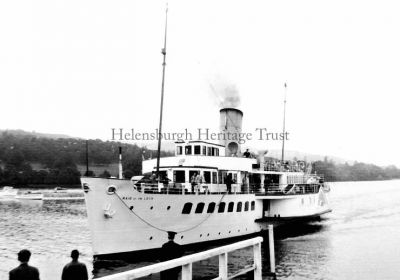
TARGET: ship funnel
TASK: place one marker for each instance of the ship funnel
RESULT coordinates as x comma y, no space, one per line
120,174
230,124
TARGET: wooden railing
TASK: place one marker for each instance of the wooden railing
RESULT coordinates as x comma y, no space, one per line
222,253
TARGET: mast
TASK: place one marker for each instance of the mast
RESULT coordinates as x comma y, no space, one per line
283,130
164,53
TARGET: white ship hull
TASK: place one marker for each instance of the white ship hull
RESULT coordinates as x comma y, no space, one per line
128,220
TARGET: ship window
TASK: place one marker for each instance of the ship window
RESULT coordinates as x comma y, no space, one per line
204,150
209,151
221,177
199,208
217,152
179,176
246,206
179,150
230,206
187,208
207,177
253,205
211,207
221,207
235,177
214,178
197,150
239,207
188,150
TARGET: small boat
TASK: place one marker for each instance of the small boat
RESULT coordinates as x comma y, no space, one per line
60,190
30,195
8,192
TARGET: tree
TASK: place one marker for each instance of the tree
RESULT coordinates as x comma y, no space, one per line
105,174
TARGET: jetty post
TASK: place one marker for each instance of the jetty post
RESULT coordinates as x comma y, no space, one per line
271,248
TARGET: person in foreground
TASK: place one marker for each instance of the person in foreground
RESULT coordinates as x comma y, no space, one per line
74,270
169,251
24,271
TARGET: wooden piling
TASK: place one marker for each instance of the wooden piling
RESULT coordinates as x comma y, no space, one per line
271,248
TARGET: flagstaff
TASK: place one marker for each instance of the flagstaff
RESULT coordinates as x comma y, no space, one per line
164,53
283,130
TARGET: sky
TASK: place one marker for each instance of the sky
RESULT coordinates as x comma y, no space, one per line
82,68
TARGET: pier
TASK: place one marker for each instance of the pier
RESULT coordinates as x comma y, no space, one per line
186,262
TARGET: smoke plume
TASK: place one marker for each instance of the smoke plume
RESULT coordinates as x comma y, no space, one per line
230,97
227,94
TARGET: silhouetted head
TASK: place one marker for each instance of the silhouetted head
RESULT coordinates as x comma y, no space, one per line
75,255
24,256
171,235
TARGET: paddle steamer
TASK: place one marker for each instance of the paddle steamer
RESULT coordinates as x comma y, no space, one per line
128,215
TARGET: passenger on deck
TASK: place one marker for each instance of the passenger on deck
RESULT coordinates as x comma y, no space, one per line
169,251
199,181
193,181
24,271
246,154
228,182
153,177
165,180
267,181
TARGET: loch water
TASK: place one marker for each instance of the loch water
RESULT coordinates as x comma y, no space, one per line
360,239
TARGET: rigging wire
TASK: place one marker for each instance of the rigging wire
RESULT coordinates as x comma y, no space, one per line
161,229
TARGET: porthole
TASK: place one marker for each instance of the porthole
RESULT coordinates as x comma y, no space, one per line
201,235
111,189
238,230
182,237
131,208
208,234
219,233
151,208
86,187
151,237
169,207
229,231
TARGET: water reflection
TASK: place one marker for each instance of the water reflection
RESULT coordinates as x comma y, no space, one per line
301,251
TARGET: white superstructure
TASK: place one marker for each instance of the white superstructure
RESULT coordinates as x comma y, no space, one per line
134,215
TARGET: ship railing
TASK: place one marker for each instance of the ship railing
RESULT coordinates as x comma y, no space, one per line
186,262
287,166
160,188
284,189
254,188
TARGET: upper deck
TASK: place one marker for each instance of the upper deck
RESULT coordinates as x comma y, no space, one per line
217,162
